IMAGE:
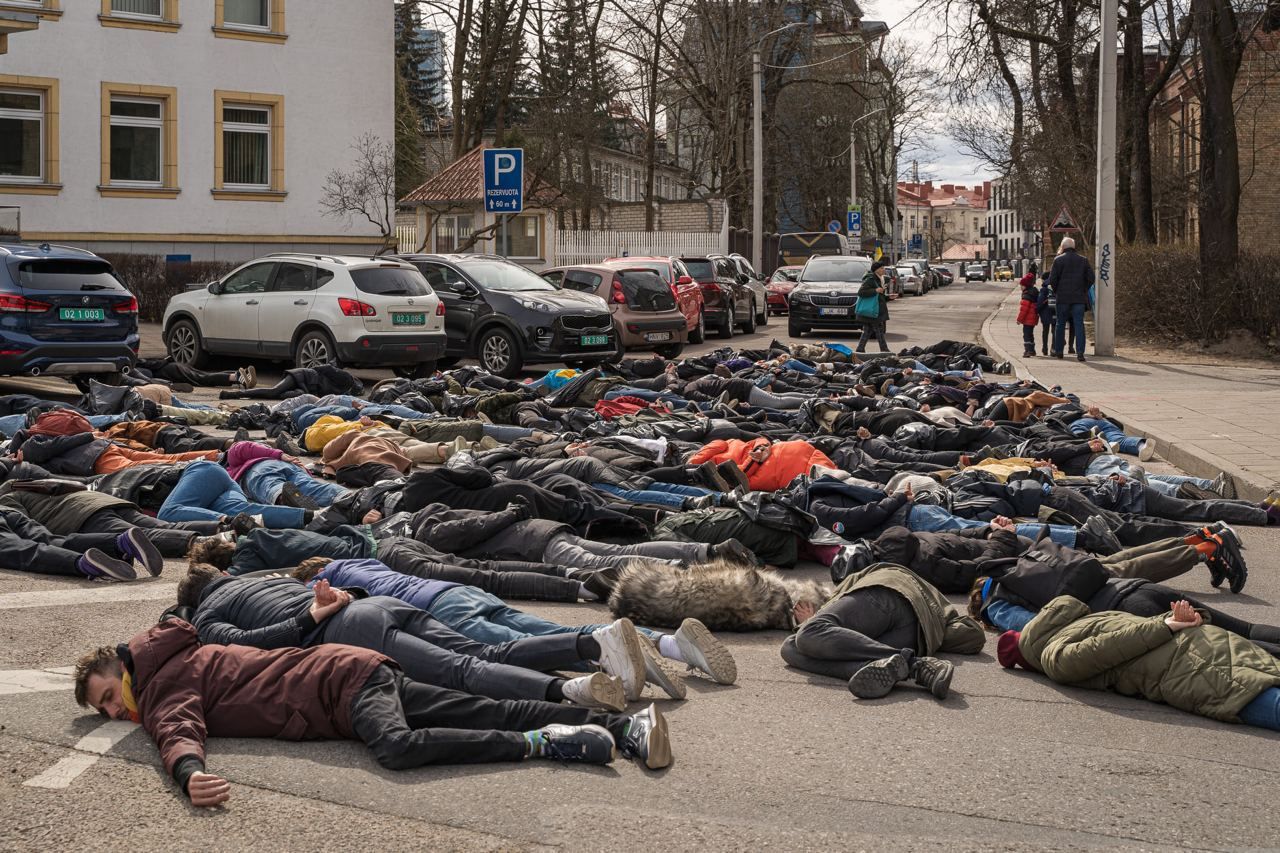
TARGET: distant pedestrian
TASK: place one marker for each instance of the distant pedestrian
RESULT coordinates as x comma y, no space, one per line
1047,306
1070,280
873,285
1029,312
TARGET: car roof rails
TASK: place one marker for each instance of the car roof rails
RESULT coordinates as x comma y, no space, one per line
331,258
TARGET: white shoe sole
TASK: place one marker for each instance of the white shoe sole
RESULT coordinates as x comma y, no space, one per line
702,651
1146,451
620,655
605,691
658,671
659,742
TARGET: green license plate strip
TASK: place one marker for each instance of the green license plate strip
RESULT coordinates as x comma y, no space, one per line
408,319
82,315
594,340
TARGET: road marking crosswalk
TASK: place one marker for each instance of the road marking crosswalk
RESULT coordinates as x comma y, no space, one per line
89,749
14,681
98,595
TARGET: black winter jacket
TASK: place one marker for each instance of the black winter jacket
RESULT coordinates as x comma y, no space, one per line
1071,278
951,560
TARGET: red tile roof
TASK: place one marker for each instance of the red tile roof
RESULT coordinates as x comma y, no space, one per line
460,183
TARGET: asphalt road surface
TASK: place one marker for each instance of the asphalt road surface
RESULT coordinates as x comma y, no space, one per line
781,760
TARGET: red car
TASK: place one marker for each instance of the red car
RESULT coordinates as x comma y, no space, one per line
778,288
686,291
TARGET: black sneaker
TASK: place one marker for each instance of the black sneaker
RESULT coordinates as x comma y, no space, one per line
242,523
287,445
733,475
599,582
242,434
876,679
735,552
933,675
646,739
97,565
139,549
1227,556
587,744
711,478
291,495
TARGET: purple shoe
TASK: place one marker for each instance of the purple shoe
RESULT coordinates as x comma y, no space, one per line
97,565
140,549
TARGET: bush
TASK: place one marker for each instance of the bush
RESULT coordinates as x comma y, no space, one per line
1163,292
154,282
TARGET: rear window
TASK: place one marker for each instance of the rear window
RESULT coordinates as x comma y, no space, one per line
390,281
701,269
67,275
646,291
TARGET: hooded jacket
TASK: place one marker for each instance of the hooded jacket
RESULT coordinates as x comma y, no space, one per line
1205,670
243,455
187,692
787,460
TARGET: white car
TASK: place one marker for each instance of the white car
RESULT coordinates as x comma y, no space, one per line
311,310
911,281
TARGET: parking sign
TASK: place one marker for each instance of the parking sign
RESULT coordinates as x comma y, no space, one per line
855,220
503,180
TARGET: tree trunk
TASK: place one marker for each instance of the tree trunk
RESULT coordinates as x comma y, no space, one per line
1131,117
1219,203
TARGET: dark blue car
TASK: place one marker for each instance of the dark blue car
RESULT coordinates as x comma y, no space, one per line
64,313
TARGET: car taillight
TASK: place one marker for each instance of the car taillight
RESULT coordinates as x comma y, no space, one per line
439,309
22,305
618,296
355,308
130,307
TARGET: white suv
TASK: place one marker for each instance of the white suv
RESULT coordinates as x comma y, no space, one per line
312,309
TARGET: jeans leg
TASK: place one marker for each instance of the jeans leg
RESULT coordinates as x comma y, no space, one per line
677,489
1177,509
1077,320
1060,329
506,433
199,487
321,491
641,496
1059,533
1264,710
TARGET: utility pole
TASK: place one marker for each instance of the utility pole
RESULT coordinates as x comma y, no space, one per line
757,162
1104,316
853,165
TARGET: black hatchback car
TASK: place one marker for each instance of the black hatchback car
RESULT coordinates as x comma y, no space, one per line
507,316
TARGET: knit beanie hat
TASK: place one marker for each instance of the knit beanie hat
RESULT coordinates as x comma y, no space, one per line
1008,653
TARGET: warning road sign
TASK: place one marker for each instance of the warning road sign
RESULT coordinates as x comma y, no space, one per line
1064,221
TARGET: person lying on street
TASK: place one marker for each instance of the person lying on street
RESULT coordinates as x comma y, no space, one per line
28,546
182,692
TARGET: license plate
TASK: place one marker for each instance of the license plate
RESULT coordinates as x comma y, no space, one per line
657,336
594,340
408,319
834,312
84,315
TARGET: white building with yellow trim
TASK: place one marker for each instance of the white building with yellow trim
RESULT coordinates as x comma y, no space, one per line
201,128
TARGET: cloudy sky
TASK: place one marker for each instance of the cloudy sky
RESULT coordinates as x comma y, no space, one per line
946,163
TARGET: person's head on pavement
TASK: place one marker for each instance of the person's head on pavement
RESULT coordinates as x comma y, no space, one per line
100,684
309,568
191,588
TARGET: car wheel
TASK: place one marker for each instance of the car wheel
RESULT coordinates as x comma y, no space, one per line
314,349
725,329
698,333
670,350
794,329
184,345
423,370
749,324
499,354
762,319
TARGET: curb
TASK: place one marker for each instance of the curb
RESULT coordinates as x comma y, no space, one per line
1194,460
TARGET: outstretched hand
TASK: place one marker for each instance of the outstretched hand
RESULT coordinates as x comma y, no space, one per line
1183,616
208,790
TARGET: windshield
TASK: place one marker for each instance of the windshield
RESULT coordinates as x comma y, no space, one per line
505,277
701,270
785,275
67,275
390,281
835,269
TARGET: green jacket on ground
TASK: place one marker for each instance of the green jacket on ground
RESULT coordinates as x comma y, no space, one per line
1205,670
942,627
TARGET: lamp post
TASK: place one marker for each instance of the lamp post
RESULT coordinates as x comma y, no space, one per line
1104,318
757,149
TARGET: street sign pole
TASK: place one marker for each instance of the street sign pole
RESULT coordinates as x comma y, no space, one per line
1104,315
503,188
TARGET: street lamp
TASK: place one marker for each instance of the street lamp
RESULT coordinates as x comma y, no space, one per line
853,155
757,152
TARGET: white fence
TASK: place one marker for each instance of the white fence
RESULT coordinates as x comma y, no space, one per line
588,247
407,237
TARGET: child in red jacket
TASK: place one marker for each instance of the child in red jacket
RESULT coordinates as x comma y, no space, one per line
1028,313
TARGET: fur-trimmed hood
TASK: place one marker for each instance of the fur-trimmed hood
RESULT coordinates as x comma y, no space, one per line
724,596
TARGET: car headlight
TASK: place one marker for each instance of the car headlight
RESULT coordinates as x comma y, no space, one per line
799,296
535,304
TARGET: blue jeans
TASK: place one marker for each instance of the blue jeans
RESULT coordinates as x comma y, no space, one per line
485,618
928,518
265,480
1167,484
206,492
1074,313
306,416
506,433
1112,434
662,494
1007,616
1263,711
1106,464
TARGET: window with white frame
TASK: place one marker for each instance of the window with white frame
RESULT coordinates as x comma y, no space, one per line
452,231
246,147
247,13
21,135
137,142
138,8
521,237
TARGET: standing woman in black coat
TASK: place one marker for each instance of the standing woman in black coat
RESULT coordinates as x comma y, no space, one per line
873,285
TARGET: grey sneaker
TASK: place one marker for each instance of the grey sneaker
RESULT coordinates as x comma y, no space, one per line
661,672
1225,485
933,675
733,551
876,679
646,739
702,651
587,744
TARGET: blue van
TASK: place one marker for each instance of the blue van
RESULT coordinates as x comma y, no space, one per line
64,313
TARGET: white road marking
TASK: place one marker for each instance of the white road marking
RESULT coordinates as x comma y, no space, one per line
88,749
14,681
100,595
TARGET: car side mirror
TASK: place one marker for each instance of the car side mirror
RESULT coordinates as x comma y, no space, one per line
759,276
685,279
462,288
215,287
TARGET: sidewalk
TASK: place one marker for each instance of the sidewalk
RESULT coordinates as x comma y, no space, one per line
1203,419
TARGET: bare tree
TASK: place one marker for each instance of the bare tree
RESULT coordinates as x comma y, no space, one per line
367,190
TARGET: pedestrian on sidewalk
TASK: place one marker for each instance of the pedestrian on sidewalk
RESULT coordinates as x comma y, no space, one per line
1047,306
873,285
1070,279
1028,312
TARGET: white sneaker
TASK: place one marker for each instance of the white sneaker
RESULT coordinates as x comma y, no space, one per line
701,650
596,690
620,655
1146,450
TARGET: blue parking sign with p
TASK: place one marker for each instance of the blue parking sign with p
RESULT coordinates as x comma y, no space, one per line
855,220
503,180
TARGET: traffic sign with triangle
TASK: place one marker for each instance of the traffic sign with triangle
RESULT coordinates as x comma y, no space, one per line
1064,221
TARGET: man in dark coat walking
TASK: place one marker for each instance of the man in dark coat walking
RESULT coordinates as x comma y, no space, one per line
1070,280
